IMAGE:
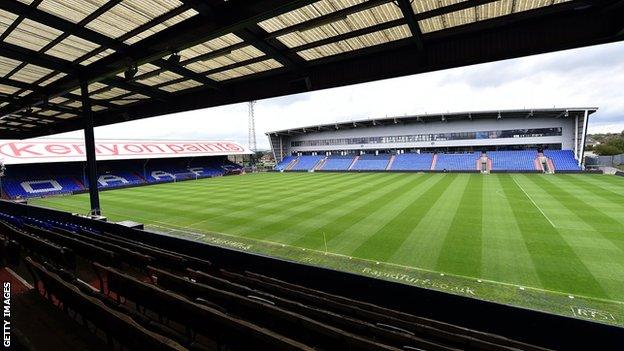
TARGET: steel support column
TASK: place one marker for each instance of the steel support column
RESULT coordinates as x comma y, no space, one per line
87,117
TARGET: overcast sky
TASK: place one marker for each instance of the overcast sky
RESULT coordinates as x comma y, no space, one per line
588,77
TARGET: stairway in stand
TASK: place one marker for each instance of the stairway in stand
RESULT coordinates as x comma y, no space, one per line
354,162
434,161
292,164
390,162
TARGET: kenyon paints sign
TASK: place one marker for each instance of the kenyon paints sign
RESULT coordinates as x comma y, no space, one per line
57,150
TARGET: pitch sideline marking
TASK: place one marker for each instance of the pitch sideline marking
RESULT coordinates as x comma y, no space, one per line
533,202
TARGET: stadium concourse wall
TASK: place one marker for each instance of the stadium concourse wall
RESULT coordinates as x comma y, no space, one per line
557,332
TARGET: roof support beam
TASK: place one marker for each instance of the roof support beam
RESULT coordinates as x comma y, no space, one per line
87,118
412,22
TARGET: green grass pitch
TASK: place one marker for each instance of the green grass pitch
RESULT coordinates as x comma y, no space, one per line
549,242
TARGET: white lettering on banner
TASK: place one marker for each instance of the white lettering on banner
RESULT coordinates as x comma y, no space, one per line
55,150
160,175
106,179
49,185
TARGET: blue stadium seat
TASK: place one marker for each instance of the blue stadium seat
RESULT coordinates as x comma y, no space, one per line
39,187
563,160
412,162
513,160
338,163
284,163
371,163
458,162
306,163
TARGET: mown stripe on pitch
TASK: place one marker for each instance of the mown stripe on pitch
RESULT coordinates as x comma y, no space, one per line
424,241
314,209
379,198
597,187
461,249
306,223
385,241
379,214
558,266
610,228
280,208
505,256
188,209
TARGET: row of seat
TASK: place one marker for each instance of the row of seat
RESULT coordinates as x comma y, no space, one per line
185,302
27,186
521,160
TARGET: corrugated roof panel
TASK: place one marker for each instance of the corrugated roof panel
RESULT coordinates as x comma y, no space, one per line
359,20
163,77
98,108
109,94
31,73
93,87
32,35
128,99
52,79
210,46
96,57
187,84
24,93
74,104
65,115
48,113
472,15
130,14
239,55
123,102
306,13
71,48
7,65
74,11
360,42
494,9
6,18
58,100
7,89
162,26
246,70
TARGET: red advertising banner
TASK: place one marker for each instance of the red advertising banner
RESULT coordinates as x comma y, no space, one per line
68,150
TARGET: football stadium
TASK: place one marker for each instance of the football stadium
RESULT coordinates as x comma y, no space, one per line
476,230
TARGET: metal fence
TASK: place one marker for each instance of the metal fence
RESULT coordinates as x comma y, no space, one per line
608,161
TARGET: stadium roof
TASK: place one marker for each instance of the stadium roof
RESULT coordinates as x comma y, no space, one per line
191,54
569,112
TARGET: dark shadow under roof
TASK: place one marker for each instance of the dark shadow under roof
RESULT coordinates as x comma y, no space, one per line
192,54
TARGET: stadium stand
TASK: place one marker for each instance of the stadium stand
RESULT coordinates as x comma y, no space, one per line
412,162
306,163
513,160
338,163
457,162
27,181
371,163
147,297
280,166
563,160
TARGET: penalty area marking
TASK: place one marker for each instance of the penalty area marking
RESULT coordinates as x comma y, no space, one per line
533,202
